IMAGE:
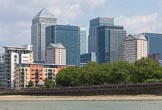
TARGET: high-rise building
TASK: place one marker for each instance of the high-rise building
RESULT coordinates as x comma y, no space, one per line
83,41
94,24
87,57
109,43
155,57
69,36
13,56
56,54
134,48
154,44
38,35
1,70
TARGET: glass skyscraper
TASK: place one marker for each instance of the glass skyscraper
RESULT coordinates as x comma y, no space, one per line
39,23
94,24
88,57
109,43
83,41
154,44
69,36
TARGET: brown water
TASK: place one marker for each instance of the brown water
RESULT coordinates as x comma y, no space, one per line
80,105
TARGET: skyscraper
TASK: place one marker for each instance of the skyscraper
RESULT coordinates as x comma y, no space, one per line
134,48
109,43
154,44
83,40
94,24
38,35
69,36
87,57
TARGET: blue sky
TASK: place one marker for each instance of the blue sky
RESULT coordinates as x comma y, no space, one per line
136,16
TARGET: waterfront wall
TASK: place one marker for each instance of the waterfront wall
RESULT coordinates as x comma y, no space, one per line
129,89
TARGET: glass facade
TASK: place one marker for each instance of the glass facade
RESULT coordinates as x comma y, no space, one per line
94,24
83,41
69,36
39,23
109,43
154,43
88,57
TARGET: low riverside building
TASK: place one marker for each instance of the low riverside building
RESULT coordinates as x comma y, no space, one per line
15,55
1,70
36,73
134,48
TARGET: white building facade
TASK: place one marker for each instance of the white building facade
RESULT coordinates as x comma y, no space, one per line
134,48
56,54
13,56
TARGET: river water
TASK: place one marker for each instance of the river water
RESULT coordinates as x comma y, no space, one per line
81,105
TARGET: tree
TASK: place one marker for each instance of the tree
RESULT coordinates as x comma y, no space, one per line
30,84
68,77
147,71
120,73
144,70
47,83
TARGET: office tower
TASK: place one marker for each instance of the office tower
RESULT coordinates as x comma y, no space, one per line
83,41
134,48
155,57
87,57
1,70
154,44
35,73
94,24
109,43
69,37
56,54
15,55
38,35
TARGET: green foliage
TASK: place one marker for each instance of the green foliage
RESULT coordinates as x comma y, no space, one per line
48,83
30,84
144,70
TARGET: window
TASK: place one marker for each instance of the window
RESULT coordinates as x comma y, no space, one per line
15,56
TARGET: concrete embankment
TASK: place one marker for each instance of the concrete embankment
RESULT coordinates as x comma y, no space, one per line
129,89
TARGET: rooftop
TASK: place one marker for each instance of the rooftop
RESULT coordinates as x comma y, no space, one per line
58,45
44,13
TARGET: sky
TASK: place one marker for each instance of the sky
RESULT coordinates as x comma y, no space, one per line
137,16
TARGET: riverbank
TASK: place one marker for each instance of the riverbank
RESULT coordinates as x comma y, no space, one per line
77,98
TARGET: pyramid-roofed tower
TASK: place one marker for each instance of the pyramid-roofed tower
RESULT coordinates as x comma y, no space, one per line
44,13
40,21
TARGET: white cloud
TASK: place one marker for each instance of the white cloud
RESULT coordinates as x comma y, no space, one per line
16,33
140,24
16,16
96,3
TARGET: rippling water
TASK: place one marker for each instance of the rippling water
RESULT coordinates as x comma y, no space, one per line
80,105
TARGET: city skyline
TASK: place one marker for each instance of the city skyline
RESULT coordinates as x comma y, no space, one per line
136,17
